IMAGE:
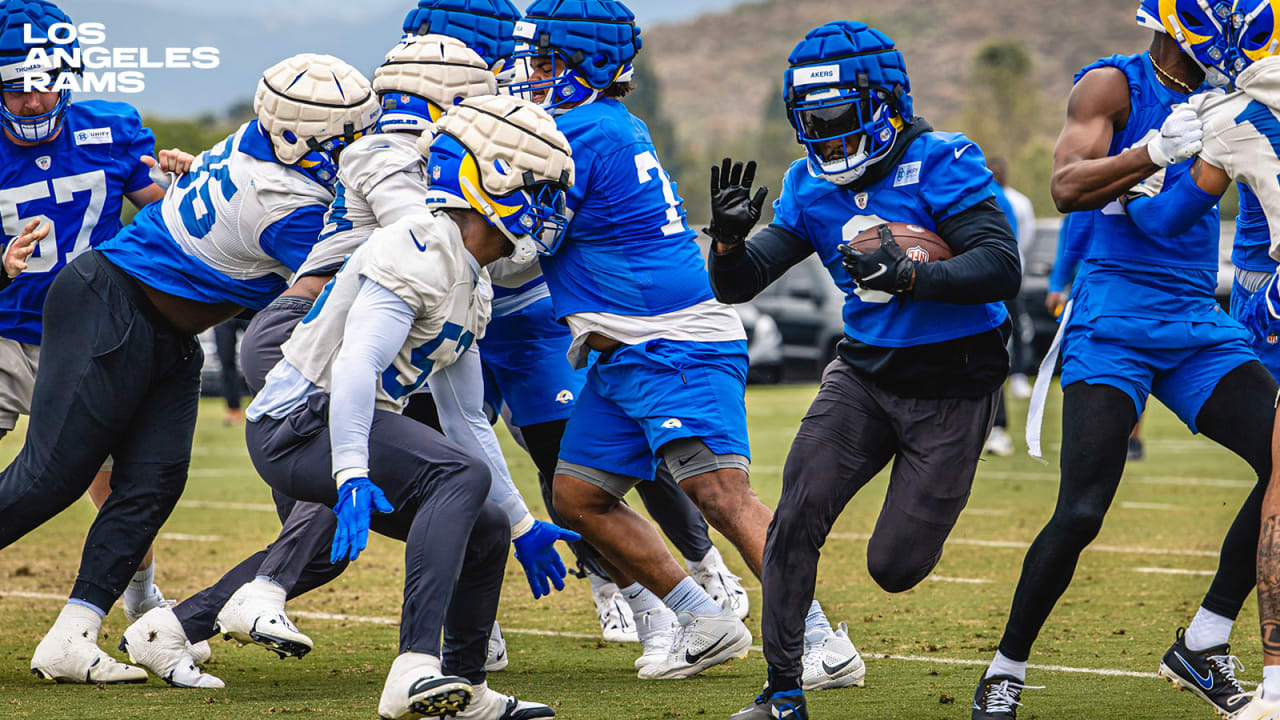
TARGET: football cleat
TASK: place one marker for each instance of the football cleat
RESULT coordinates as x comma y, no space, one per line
200,652
255,614
997,698
1254,707
999,443
616,621
415,688
701,641
154,599
156,642
69,652
496,659
723,586
1210,674
656,630
489,704
830,660
787,705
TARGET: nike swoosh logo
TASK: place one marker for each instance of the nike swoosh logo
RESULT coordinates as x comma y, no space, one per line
421,245
685,460
882,270
693,659
960,151
1205,682
833,669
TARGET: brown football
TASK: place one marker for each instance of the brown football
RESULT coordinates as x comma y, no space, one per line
918,243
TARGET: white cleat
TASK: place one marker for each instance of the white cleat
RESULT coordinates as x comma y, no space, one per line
156,642
830,660
1020,386
200,652
255,614
154,599
1258,708
616,621
999,443
489,704
723,586
69,652
415,688
657,630
496,659
701,641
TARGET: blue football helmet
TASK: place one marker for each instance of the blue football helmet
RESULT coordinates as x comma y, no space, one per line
1222,36
589,45
846,84
17,64
486,26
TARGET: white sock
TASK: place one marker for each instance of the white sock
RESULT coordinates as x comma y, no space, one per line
1271,683
270,580
1208,629
81,611
689,597
1002,665
139,587
816,618
640,599
597,582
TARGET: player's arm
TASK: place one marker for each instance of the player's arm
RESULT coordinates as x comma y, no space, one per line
985,267
1084,176
1179,205
162,169
291,238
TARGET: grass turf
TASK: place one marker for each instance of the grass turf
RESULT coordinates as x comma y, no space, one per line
1170,514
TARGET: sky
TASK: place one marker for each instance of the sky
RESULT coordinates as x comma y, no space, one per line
251,35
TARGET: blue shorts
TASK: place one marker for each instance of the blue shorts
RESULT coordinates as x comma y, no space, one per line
525,366
1179,360
641,397
1250,309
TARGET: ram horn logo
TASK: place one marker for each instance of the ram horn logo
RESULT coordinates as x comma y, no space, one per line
672,423
564,397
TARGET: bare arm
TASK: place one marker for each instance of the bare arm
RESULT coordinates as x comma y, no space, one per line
1084,176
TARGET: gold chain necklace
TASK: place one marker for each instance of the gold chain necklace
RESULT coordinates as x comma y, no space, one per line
1186,89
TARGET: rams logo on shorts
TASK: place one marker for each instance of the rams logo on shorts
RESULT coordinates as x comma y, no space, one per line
918,254
564,397
672,423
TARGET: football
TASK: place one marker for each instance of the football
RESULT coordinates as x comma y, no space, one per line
918,243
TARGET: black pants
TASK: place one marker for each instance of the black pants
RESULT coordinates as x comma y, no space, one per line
225,337
1096,422
851,431
114,379
1022,353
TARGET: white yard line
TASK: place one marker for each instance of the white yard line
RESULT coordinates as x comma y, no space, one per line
1163,507
1171,571
184,537
970,581
1140,479
214,505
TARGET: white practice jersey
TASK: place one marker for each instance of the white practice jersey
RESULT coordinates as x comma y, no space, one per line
1242,136
422,260
381,179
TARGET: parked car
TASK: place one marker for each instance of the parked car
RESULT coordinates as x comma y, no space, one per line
806,306
764,345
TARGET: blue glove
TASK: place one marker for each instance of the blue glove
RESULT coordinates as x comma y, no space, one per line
358,499
536,552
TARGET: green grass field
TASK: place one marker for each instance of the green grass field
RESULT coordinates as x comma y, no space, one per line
1143,578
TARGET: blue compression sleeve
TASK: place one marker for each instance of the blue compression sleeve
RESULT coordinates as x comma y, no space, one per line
1172,212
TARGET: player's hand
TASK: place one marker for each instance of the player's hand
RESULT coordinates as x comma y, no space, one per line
358,500
888,269
170,161
734,210
19,250
1055,302
535,549
1181,138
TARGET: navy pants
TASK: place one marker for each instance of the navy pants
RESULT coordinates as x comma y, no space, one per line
114,379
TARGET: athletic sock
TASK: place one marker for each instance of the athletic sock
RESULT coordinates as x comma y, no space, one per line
139,588
597,582
71,611
1002,665
1208,629
689,597
639,599
1271,683
816,620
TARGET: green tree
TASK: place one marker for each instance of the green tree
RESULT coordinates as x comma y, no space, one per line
1002,113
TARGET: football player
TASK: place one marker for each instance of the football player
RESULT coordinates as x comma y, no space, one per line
668,383
919,373
122,373
1142,320
66,167
406,306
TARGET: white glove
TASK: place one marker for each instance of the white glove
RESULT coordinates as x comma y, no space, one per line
1181,138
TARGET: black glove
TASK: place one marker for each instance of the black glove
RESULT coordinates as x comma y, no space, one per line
734,210
888,269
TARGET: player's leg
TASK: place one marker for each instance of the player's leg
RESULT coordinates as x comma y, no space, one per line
225,341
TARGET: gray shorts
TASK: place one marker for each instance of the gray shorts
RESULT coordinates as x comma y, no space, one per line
684,458
18,363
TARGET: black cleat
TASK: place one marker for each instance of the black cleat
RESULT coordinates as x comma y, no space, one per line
788,705
997,698
1210,674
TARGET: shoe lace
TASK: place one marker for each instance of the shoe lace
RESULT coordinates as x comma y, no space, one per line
1003,696
1226,666
1244,695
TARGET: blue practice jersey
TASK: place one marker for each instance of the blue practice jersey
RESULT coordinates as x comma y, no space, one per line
1131,272
627,250
76,182
1073,240
1253,236
233,229
939,175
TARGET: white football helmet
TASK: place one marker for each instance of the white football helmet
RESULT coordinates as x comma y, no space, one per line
313,103
504,158
425,75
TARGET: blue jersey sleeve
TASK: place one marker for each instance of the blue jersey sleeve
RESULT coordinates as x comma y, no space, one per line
786,209
141,142
954,177
290,238
584,162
